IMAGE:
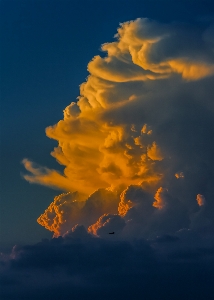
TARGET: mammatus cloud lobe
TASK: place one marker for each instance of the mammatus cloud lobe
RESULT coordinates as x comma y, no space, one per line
136,145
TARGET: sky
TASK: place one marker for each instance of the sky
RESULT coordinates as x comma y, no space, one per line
107,125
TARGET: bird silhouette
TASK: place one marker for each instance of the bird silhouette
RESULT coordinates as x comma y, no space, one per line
111,232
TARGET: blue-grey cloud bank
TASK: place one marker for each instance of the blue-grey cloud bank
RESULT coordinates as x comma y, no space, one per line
79,265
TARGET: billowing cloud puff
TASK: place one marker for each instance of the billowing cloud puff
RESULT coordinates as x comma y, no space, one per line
179,175
107,224
71,110
62,214
68,210
200,199
160,201
136,146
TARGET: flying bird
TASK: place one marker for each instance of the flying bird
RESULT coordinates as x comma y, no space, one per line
111,232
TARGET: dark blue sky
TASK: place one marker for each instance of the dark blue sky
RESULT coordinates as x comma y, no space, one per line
45,49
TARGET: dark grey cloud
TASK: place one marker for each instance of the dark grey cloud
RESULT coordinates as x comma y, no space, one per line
79,264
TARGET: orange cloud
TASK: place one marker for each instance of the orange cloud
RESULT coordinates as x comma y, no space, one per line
69,209
45,176
126,127
124,204
64,209
107,223
160,201
179,175
200,200
154,152
192,70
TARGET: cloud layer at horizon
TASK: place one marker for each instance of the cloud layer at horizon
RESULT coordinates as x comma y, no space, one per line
79,264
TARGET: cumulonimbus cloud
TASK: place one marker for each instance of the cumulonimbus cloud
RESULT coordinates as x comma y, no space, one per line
136,145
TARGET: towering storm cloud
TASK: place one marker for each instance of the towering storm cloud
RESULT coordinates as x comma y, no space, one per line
137,145
137,150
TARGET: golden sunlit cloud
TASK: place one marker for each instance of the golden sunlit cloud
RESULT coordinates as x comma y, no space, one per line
154,152
159,198
179,175
200,200
129,129
106,224
45,176
70,209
